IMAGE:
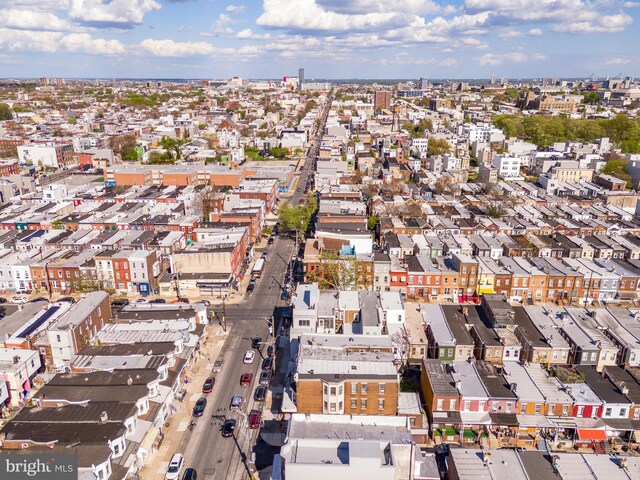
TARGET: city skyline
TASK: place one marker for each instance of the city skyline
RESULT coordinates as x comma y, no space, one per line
330,38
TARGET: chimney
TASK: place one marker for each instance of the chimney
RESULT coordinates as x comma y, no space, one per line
458,385
104,417
486,457
513,387
129,381
16,359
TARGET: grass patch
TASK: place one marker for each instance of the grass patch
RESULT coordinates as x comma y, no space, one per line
99,179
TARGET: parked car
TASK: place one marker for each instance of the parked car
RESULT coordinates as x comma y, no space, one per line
217,366
228,427
284,296
270,351
158,300
190,474
19,300
267,364
251,287
175,467
206,303
260,394
38,299
265,378
207,386
236,402
3,300
198,410
120,302
254,419
264,255
255,342
245,379
67,299
140,300
271,240
249,356
183,300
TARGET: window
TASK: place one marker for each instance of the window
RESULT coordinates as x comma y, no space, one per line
363,404
623,412
354,403
381,404
580,411
363,388
381,388
333,390
354,388
440,405
608,412
452,404
332,407
340,390
58,339
467,405
523,408
304,323
325,390
326,406
538,408
509,407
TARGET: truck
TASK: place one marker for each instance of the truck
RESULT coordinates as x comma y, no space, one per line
257,268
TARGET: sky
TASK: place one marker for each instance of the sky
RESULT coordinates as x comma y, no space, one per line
217,39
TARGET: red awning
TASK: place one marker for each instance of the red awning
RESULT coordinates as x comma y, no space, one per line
591,434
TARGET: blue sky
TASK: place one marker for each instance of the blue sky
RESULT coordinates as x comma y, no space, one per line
329,38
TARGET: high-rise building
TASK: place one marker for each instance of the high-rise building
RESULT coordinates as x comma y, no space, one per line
382,100
424,83
300,78
493,79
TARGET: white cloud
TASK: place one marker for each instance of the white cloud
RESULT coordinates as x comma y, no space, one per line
25,40
32,20
617,61
112,12
84,43
535,32
603,24
631,4
221,24
237,9
307,15
171,48
513,57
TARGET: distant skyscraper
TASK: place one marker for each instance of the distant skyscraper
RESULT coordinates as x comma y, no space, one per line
424,83
300,78
382,100
493,79
44,81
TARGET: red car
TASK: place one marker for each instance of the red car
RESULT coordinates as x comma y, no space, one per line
208,384
254,419
245,379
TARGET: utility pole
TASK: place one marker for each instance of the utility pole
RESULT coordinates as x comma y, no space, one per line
224,314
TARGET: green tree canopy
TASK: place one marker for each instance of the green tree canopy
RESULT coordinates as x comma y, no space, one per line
5,112
296,218
438,146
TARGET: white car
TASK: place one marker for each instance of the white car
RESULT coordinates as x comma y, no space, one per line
140,300
175,467
19,300
249,356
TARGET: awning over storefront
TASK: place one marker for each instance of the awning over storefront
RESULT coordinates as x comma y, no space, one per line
591,434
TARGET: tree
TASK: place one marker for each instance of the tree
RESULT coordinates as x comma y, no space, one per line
335,272
372,222
122,143
438,146
278,152
444,186
370,190
616,166
591,98
297,218
5,112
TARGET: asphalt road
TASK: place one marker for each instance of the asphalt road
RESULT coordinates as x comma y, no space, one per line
215,457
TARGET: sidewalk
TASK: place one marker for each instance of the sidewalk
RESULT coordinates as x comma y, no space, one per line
157,461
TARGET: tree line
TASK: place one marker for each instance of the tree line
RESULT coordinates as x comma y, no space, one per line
543,130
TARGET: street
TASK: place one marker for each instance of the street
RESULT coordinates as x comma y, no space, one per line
213,456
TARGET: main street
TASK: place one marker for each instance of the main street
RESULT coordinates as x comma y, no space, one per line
213,456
